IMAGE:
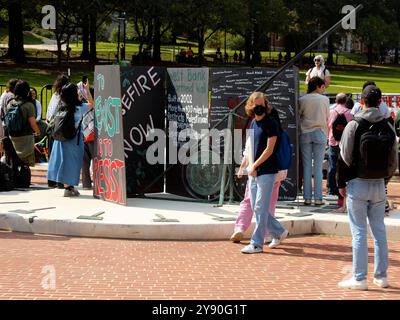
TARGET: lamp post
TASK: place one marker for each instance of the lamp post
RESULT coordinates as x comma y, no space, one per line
119,35
122,18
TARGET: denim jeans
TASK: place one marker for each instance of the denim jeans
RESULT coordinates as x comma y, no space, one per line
366,199
260,198
313,148
333,159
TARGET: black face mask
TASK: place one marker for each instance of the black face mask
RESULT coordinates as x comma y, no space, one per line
259,110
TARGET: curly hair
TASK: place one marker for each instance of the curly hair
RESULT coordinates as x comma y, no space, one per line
250,103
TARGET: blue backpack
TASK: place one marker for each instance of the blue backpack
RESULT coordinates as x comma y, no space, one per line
285,151
13,120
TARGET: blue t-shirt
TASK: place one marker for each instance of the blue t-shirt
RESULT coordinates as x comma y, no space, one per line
262,130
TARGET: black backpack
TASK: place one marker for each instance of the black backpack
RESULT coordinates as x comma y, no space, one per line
21,173
6,177
373,145
64,125
13,119
338,126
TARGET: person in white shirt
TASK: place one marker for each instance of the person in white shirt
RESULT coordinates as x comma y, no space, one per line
5,98
319,71
37,104
61,81
314,114
358,106
81,87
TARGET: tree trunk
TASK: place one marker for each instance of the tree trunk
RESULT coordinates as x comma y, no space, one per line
370,56
248,48
150,29
11,33
201,46
59,50
256,45
331,51
157,40
16,36
92,28
85,40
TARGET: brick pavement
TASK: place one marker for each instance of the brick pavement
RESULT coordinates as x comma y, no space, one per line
306,267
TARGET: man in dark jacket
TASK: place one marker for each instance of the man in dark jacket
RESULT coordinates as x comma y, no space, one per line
368,139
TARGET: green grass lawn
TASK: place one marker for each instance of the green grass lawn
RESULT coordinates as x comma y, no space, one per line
29,37
351,81
348,81
387,78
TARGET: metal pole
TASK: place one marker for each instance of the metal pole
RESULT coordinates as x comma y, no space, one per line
227,147
232,164
290,63
267,84
124,38
119,35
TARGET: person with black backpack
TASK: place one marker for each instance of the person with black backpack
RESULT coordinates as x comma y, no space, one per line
66,158
338,119
368,155
20,123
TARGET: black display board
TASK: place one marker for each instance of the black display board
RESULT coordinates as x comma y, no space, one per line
187,109
230,86
109,161
143,109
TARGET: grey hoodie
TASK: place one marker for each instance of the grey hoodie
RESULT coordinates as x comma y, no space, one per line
347,142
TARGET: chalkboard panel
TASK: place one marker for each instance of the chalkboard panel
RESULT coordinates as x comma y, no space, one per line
143,109
109,161
187,108
230,86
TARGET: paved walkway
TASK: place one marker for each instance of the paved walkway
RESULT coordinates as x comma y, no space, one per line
306,267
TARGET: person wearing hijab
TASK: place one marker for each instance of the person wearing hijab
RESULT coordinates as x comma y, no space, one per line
319,71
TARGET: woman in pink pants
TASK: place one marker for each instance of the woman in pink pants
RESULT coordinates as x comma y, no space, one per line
243,221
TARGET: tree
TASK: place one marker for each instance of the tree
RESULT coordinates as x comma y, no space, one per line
373,31
15,32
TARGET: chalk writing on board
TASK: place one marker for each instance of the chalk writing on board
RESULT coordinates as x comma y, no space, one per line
108,115
109,173
232,86
108,162
142,85
138,135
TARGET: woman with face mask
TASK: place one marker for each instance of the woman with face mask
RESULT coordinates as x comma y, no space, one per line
264,133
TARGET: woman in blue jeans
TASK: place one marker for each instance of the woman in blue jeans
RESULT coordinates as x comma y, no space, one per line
265,131
314,114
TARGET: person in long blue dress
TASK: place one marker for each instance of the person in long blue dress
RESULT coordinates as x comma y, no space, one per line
66,157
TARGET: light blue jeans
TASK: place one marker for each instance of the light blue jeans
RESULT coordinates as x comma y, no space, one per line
312,146
366,199
260,198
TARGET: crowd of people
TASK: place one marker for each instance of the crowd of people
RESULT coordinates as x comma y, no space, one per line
360,139
70,113
363,156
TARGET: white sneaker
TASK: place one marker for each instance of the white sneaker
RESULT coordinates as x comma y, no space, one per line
276,242
251,249
267,239
381,282
353,284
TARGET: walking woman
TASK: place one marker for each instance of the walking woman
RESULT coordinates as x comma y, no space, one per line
66,157
262,173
